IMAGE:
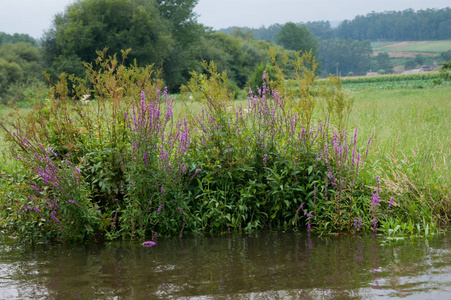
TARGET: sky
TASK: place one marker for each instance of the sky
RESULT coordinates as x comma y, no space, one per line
33,17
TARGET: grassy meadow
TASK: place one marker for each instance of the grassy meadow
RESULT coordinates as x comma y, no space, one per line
417,46
141,165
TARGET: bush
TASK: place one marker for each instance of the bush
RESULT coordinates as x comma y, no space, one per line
123,165
410,64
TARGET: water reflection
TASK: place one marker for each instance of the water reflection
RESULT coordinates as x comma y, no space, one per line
271,266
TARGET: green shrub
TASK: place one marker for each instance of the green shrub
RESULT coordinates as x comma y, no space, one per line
107,157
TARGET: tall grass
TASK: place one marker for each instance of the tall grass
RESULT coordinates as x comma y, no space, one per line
411,145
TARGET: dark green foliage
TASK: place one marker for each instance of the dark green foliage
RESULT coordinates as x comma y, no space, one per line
90,25
445,71
16,38
419,59
383,62
256,78
235,55
186,33
20,71
164,33
410,64
446,56
345,56
297,38
408,25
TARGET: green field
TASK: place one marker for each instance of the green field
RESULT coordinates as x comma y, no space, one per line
398,81
422,46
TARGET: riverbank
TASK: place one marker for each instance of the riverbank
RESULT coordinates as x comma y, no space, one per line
142,165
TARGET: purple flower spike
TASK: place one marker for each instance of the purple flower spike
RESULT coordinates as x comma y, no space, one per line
149,244
391,202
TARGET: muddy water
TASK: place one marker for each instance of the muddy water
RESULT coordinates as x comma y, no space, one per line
262,266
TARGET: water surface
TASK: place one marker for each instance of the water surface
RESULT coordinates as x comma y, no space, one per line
262,266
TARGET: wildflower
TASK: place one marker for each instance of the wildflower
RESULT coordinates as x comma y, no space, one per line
374,225
146,158
375,199
149,244
52,214
160,208
72,201
391,202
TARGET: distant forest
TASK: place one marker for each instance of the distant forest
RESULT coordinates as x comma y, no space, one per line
407,25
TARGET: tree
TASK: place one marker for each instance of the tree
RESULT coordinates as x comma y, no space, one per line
298,38
446,56
16,38
419,59
186,33
90,25
345,56
20,69
235,55
407,25
320,29
383,61
410,64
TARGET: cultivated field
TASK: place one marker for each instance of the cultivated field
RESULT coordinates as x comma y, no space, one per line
411,49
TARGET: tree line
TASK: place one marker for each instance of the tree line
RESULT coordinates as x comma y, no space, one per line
407,25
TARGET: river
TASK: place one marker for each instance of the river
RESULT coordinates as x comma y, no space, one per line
259,266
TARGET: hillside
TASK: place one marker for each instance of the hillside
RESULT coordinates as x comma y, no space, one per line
411,48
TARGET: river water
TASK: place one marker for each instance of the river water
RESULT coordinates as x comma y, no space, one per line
260,266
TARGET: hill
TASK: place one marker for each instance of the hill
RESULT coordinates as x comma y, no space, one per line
411,48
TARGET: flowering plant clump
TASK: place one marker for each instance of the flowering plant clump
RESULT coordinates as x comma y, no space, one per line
131,164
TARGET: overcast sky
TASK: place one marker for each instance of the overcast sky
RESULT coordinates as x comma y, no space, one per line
35,16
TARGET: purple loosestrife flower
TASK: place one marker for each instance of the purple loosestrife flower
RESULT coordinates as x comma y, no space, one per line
149,244
374,225
375,199
36,188
308,227
265,158
72,201
391,202
160,208
146,158
168,113
52,214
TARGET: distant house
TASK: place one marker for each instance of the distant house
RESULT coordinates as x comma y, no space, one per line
372,74
427,68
